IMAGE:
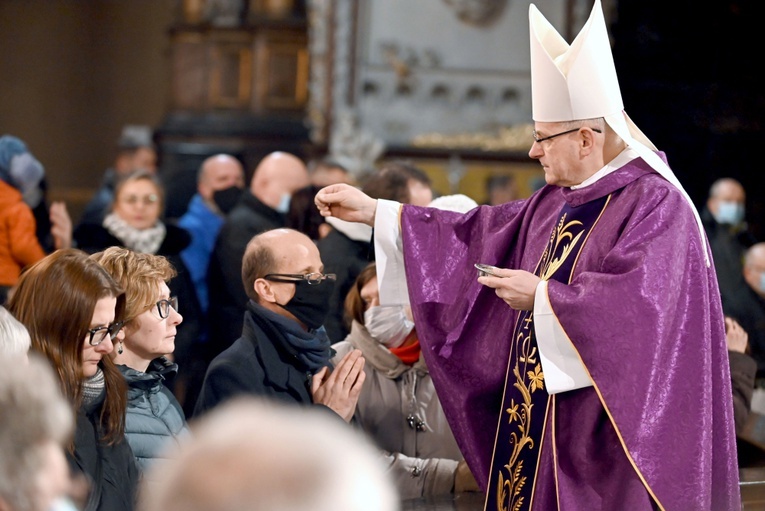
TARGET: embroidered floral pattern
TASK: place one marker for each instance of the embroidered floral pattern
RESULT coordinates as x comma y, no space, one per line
528,377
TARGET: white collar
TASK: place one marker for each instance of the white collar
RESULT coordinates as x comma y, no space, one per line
620,161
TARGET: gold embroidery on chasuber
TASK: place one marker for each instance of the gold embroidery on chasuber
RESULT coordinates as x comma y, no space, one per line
559,235
529,377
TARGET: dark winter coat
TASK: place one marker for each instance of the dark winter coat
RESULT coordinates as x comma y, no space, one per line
111,469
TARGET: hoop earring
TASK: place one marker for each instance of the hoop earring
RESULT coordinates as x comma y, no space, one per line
120,348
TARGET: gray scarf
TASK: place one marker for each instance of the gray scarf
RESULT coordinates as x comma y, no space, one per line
312,349
146,241
93,387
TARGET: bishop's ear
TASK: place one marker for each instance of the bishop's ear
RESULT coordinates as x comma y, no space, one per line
587,139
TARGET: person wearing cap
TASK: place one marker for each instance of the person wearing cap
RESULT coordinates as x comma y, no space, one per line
21,175
22,170
135,151
591,372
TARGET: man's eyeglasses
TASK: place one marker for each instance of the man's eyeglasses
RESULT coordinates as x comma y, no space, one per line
312,278
99,334
163,306
538,140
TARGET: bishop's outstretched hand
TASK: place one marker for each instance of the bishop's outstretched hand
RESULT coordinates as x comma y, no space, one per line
346,203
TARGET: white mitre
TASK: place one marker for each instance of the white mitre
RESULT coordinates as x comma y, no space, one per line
578,81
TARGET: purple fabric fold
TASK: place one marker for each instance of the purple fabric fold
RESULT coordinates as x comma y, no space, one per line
642,310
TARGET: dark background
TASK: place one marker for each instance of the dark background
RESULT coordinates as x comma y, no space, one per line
690,78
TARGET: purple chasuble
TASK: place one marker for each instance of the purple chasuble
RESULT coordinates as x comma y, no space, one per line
642,311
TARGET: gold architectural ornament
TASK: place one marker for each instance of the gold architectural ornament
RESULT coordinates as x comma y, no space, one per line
224,13
193,11
272,8
477,12
512,138
354,147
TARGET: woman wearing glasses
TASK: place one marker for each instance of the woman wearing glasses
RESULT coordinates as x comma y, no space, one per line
73,310
151,318
135,222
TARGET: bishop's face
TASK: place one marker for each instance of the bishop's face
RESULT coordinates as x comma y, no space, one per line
558,148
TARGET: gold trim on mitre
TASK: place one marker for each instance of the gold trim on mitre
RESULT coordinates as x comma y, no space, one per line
578,81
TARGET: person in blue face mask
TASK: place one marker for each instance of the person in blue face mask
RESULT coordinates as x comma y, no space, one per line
261,207
283,352
726,228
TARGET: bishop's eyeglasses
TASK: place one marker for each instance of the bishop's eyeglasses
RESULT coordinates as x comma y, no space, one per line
538,140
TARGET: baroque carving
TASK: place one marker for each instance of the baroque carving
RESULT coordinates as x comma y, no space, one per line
514,138
319,32
477,12
355,148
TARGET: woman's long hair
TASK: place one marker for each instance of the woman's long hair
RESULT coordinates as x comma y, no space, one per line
55,299
354,304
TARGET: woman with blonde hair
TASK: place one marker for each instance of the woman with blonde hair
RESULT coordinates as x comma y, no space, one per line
151,317
73,311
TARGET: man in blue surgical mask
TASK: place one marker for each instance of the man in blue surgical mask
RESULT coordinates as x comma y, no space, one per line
727,231
261,207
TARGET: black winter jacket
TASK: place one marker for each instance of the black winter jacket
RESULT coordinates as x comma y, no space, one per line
111,469
259,363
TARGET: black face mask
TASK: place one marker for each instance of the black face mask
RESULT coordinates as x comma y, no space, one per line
227,198
311,302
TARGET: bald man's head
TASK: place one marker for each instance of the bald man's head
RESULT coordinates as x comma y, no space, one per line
219,172
754,268
277,177
254,453
278,251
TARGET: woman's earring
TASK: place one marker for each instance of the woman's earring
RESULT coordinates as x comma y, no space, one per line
120,348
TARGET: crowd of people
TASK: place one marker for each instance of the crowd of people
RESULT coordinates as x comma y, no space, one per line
131,283
318,339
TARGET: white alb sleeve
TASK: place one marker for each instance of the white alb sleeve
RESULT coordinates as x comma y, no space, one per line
389,255
561,364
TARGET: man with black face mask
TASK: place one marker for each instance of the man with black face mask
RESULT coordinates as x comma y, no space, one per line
284,352
220,182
